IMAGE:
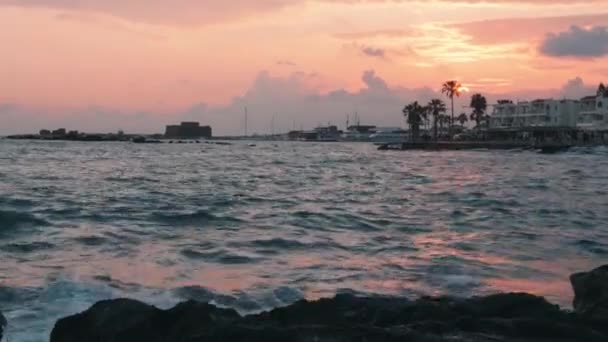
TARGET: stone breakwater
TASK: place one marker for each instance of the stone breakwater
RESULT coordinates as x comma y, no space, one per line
512,317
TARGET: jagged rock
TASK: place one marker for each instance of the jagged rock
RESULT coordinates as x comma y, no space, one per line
345,318
591,293
133,321
2,325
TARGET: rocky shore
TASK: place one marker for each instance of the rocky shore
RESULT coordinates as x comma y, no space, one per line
2,325
513,317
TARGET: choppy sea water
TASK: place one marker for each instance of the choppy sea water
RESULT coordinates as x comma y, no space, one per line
255,227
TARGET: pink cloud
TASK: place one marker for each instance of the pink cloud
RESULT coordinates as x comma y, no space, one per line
200,12
523,29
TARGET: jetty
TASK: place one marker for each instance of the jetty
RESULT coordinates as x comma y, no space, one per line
546,147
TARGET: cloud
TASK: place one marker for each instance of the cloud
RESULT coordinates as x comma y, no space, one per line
373,52
176,12
373,82
576,88
285,63
577,42
201,12
292,101
389,33
509,30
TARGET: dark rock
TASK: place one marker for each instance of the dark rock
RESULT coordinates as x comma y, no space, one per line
133,321
505,317
511,317
104,321
2,324
591,293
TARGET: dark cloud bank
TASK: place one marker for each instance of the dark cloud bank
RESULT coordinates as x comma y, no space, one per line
577,42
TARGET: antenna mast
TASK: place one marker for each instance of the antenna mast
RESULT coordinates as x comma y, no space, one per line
245,121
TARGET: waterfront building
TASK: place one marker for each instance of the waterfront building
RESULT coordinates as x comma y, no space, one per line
593,115
537,113
59,132
568,121
329,133
188,130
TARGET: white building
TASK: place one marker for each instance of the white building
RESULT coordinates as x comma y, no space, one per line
593,114
537,113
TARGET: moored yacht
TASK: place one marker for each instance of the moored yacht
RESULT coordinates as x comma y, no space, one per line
389,135
358,133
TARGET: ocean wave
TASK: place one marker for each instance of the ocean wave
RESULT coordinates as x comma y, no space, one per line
219,256
91,240
13,295
16,202
136,179
27,247
243,302
15,219
281,245
592,246
196,218
330,221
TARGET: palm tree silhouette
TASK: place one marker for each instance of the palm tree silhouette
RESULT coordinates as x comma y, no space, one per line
602,90
451,89
443,120
479,104
436,108
414,113
462,118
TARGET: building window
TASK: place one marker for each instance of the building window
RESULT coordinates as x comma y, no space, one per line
599,105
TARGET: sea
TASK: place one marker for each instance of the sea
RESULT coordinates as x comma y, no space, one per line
259,225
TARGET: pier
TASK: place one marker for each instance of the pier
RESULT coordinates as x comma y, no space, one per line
546,147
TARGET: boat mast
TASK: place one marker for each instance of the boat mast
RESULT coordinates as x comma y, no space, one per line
245,121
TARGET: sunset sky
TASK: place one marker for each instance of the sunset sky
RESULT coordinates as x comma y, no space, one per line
104,65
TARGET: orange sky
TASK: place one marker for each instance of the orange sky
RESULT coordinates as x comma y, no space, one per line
133,56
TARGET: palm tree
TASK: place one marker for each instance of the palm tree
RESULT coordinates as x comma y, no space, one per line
436,108
424,116
443,120
479,104
462,118
486,120
451,89
602,90
414,113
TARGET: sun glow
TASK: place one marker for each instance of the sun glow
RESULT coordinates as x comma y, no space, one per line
462,89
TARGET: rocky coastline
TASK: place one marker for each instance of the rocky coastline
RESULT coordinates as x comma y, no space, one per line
511,317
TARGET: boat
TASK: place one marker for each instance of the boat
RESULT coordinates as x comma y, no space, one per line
389,135
358,133
319,134
144,140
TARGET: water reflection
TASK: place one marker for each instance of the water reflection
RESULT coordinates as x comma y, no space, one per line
81,222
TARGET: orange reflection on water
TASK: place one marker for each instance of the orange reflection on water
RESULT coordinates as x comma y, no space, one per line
555,290
440,245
